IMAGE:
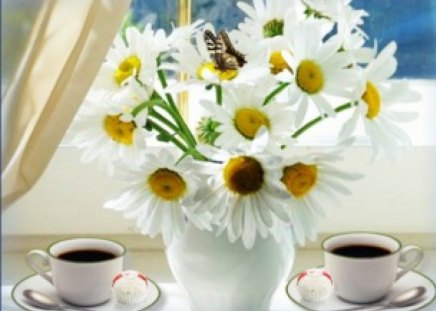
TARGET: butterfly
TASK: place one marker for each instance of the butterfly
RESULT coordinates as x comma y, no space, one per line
222,51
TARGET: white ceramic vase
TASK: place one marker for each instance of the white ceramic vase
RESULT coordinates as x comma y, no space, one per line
223,276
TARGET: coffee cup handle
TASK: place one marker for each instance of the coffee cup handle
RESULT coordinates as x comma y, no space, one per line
418,255
39,262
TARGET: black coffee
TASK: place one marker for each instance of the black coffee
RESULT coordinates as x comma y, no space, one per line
86,255
361,251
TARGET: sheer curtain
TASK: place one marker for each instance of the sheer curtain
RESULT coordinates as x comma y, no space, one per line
67,43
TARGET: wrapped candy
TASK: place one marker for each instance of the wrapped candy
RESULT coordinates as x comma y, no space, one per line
315,285
130,287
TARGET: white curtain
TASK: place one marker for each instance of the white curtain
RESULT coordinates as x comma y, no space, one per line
66,46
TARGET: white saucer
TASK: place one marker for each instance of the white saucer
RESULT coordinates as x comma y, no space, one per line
411,279
38,283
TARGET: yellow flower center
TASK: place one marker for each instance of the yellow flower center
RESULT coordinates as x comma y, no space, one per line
249,120
310,77
167,184
243,175
119,131
278,63
372,98
131,65
299,178
210,68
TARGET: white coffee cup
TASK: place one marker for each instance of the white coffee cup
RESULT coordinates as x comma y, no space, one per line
364,280
82,283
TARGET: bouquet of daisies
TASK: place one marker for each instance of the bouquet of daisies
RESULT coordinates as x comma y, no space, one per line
289,66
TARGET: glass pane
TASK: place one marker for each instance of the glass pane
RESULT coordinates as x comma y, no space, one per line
161,14
223,14
412,24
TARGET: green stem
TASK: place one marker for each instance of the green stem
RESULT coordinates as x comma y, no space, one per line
153,113
187,150
315,121
197,155
219,94
174,116
171,138
275,92
148,104
187,134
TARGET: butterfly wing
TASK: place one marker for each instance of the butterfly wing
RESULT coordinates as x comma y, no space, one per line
214,44
222,51
230,49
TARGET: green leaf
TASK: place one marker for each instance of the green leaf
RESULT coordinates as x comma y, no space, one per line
163,138
148,126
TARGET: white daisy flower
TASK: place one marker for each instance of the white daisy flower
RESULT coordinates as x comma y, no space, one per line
265,20
312,181
183,33
244,190
351,37
334,11
353,43
348,22
242,114
133,57
130,97
261,36
104,136
376,105
196,61
318,70
274,56
269,56
159,197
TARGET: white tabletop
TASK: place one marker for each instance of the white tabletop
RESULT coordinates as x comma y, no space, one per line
172,299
